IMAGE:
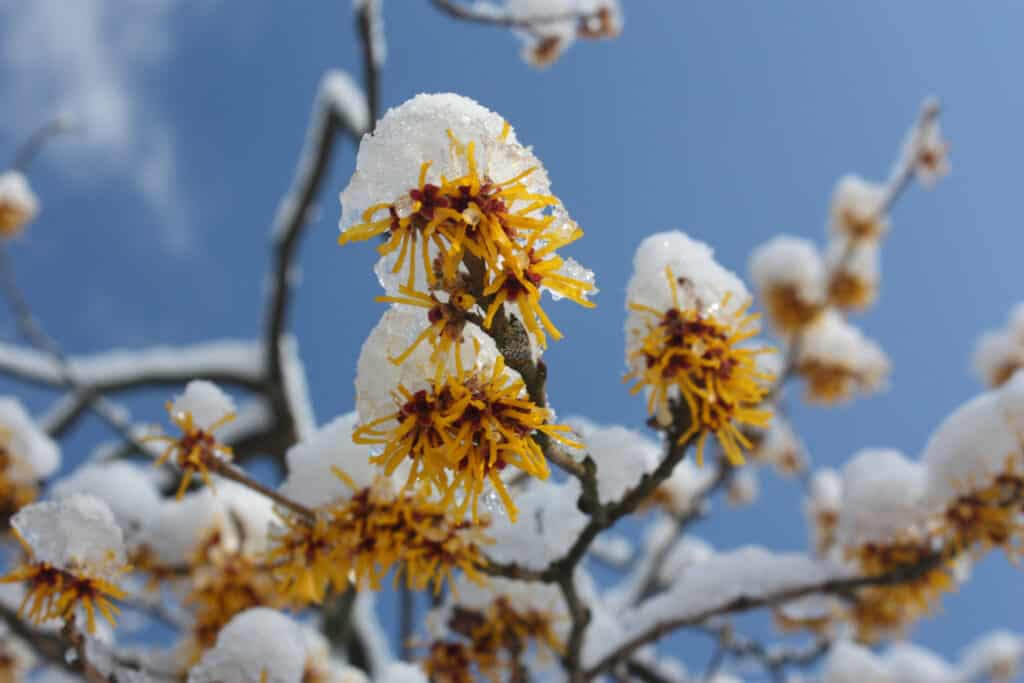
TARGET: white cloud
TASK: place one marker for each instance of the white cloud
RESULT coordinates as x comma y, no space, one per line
95,59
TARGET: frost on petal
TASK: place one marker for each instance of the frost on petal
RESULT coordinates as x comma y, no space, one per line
18,204
257,645
77,532
377,377
129,490
311,479
205,402
622,456
35,455
883,498
851,663
790,278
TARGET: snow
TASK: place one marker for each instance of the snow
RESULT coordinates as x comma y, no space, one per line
684,486
242,360
549,522
370,630
744,488
786,261
749,572
400,672
686,552
996,655
36,455
254,643
882,498
180,525
833,341
996,354
128,490
389,160
311,480
975,443
622,456
77,532
205,402
377,377
781,447
340,90
909,663
848,662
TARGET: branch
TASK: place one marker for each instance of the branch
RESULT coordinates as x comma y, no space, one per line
49,646
292,217
35,142
842,586
371,39
481,13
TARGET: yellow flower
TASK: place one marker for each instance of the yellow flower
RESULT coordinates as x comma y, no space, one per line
194,449
363,538
461,433
701,359
447,320
54,593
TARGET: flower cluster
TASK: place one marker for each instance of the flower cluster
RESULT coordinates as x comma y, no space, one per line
198,413
807,293
472,238
488,633
73,554
686,344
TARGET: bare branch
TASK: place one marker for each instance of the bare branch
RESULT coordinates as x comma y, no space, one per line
490,15
371,39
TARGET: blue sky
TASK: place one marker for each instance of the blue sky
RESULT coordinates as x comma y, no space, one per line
729,120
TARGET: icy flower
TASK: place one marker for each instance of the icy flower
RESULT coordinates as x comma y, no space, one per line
74,551
836,361
27,455
790,279
858,209
853,269
198,413
685,335
459,427
18,204
457,195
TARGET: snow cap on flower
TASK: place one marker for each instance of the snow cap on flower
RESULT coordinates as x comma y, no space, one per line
682,489
37,455
258,644
837,360
853,273
311,462
744,488
389,159
377,376
790,278
129,490
205,402
883,496
980,440
822,506
781,447
857,207
180,525
74,533
1000,353
18,204
549,522
703,284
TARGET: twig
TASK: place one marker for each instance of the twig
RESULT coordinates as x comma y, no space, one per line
35,142
492,16
229,471
368,24
406,614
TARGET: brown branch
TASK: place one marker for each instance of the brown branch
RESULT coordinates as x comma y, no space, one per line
47,645
368,28
229,471
773,660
